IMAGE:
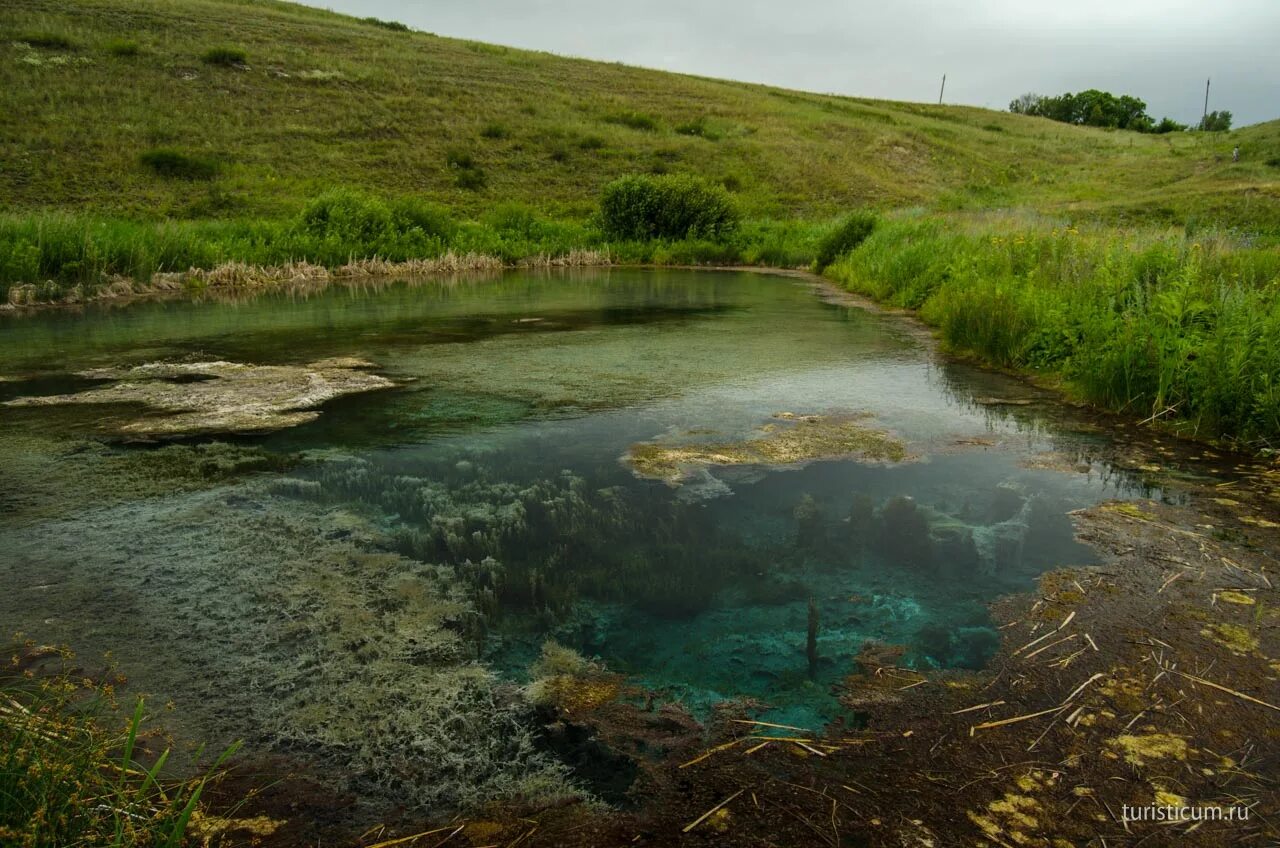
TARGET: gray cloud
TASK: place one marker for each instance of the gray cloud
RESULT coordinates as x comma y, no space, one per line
991,50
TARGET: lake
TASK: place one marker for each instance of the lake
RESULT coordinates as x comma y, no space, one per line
372,586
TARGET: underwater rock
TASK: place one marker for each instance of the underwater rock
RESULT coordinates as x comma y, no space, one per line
800,440
808,521
221,397
905,533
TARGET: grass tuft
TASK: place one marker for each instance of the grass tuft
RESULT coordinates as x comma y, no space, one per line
844,237
634,120
74,770
122,47
224,56
168,162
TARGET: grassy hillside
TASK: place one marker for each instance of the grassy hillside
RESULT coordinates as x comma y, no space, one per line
305,99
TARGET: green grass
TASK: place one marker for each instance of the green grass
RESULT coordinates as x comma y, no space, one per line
123,47
74,770
226,56
1140,321
329,100
167,162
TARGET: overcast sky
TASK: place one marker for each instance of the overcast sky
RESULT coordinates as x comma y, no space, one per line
990,50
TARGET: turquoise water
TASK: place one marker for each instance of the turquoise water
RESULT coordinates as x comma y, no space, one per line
438,533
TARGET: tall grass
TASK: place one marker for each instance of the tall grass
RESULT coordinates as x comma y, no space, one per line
1180,325
1144,322
72,770
58,251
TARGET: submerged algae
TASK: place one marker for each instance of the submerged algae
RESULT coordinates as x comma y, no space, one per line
803,439
220,397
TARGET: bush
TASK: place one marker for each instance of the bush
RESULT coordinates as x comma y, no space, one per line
168,162
394,26
123,48
225,56
634,120
431,219
666,207
467,171
699,128
471,179
346,215
850,233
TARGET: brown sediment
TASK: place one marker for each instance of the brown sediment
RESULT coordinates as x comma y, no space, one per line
789,440
219,397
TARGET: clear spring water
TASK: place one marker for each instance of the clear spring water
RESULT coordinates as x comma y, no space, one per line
234,575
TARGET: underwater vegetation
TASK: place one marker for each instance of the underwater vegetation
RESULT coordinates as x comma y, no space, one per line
789,440
220,397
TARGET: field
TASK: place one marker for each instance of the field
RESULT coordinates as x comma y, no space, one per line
291,101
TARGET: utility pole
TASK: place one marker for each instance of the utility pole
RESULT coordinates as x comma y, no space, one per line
943,89
1205,118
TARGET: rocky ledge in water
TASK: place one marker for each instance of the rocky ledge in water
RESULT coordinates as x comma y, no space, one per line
220,397
788,440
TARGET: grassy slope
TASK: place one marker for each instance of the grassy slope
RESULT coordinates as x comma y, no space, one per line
325,99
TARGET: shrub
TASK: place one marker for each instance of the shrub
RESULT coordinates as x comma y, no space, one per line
346,215
122,47
634,120
514,219
394,26
457,157
48,40
699,128
846,236
471,179
467,172
225,56
432,219
666,207
168,162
